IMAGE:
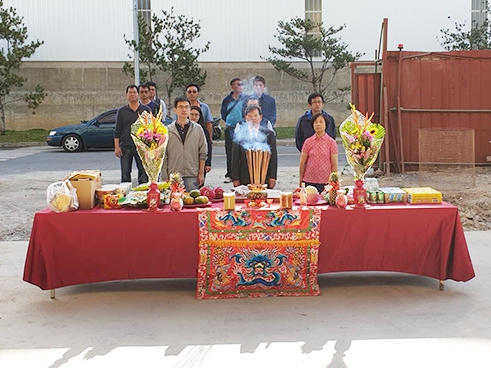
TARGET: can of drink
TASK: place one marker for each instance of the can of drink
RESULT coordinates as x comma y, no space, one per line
372,197
380,197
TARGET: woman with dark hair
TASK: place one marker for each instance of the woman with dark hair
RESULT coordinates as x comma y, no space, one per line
252,135
319,155
196,115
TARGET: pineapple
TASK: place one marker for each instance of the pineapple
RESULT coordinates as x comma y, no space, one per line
334,182
176,182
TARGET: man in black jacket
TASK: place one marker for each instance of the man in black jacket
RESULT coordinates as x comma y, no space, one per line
124,148
304,128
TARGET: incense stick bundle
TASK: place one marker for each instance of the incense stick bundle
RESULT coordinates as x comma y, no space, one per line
249,163
258,168
257,165
264,165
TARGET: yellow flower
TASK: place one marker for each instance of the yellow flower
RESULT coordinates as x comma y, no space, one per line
373,130
354,131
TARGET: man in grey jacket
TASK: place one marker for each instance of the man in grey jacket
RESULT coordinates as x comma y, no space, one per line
186,148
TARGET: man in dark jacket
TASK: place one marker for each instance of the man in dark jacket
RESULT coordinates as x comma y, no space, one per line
304,128
124,148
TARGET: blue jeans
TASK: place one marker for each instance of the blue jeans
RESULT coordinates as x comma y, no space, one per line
229,140
190,182
127,163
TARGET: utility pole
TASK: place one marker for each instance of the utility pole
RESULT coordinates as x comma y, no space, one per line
136,38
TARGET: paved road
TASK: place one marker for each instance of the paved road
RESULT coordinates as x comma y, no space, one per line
44,158
12,153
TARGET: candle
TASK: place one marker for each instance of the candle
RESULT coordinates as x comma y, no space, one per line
229,201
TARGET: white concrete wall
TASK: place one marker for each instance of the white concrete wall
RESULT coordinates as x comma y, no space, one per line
92,30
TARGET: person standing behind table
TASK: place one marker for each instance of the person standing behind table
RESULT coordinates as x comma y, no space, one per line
186,148
319,155
231,113
197,116
192,93
249,135
152,92
304,129
267,102
250,101
124,147
144,92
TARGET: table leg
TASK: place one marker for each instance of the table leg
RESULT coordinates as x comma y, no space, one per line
441,286
52,293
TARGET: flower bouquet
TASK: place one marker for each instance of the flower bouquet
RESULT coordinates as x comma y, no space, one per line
150,137
362,140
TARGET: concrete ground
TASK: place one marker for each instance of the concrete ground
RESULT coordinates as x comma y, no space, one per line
360,320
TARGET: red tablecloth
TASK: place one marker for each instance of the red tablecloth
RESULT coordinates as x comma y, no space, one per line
102,245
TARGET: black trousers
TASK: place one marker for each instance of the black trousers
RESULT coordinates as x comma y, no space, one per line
229,140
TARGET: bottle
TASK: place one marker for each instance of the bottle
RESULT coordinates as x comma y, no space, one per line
302,196
153,197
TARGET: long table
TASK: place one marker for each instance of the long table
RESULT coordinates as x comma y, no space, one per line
103,245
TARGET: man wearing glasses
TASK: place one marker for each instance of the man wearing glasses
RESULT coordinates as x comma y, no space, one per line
144,94
304,128
231,113
192,94
186,149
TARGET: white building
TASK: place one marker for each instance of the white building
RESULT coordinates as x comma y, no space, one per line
80,62
238,31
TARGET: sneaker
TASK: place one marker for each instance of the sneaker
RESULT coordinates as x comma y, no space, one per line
227,180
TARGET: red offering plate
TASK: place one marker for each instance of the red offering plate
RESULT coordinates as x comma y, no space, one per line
240,199
320,202
197,205
216,200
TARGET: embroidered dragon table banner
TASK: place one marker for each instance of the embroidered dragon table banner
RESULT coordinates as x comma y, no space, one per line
258,253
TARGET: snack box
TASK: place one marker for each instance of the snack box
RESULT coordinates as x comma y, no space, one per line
423,195
394,194
86,182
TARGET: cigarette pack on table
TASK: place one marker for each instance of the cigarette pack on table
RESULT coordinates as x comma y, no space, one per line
394,194
423,195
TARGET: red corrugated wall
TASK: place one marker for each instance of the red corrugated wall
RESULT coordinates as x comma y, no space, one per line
437,89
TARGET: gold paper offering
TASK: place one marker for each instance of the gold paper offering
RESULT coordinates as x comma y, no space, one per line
286,200
229,201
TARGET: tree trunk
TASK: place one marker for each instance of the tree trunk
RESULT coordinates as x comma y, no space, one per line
2,118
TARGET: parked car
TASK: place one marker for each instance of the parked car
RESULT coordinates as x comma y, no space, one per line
95,133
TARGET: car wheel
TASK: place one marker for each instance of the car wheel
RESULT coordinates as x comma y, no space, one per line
72,143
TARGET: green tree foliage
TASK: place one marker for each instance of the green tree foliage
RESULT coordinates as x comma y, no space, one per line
477,38
305,40
165,45
13,49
